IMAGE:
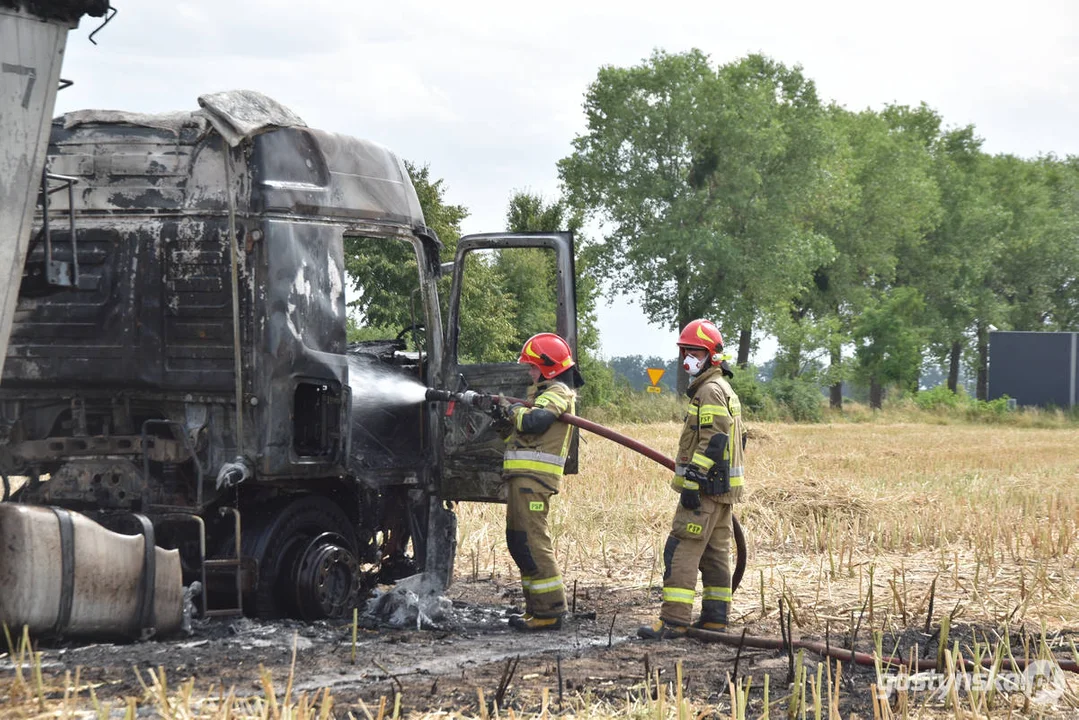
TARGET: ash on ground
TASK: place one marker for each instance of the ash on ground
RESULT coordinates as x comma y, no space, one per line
414,602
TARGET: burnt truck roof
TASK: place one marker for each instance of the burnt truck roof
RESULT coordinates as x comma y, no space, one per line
135,163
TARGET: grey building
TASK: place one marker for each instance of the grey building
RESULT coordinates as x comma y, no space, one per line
1035,368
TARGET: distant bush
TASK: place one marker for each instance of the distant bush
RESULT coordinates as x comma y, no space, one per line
632,406
941,400
988,410
601,385
797,399
801,400
940,397
750,390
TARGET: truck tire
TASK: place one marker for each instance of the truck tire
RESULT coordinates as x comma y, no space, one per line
306,555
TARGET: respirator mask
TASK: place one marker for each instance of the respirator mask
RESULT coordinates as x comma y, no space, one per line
692,365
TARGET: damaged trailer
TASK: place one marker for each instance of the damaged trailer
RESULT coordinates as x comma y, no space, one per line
33,36
193,383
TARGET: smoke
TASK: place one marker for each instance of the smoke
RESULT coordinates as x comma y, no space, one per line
376,386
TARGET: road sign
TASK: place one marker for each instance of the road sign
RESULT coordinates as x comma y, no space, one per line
654,374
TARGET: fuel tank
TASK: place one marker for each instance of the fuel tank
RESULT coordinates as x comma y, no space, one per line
61,573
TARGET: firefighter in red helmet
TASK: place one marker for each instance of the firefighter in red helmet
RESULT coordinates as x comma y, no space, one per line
709,478
532,466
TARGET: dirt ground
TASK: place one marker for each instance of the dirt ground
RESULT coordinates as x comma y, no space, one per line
595,658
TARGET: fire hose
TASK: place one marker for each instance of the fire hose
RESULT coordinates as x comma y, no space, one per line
484,401
861,658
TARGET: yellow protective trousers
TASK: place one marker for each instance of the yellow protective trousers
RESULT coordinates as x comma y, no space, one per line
529,543
700,540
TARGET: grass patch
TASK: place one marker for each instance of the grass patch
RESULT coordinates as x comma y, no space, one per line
31,694
801,402
967,523
836,511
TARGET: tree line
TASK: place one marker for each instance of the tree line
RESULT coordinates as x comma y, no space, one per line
863,241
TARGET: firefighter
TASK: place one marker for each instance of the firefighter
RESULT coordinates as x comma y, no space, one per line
709,478
536,449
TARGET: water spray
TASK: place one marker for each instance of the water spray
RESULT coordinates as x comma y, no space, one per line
375,386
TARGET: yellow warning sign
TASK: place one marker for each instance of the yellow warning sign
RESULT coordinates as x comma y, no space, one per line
654,389
654,374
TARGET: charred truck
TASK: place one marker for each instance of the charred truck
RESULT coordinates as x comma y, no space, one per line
179,372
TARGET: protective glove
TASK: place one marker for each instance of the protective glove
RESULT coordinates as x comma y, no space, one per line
691,495
691,488
500,408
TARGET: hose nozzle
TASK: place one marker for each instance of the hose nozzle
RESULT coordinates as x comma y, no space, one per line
471,398
436,395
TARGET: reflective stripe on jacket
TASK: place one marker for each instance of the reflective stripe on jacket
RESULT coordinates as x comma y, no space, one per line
713,408
541,455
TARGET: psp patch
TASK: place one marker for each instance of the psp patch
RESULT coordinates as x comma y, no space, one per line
535,506
693,528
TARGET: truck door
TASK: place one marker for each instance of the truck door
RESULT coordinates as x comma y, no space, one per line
506,288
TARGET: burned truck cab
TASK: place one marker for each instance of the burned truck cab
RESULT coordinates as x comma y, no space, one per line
180,352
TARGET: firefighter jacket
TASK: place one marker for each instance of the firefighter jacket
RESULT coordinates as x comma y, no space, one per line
538,443
711,441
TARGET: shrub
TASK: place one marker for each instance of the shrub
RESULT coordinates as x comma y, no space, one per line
943,401
750,390
988,410
940,397
800,397
601,387
632,406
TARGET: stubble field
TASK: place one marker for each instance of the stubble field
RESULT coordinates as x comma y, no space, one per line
871,532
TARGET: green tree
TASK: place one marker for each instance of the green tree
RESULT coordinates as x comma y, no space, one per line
889,342
701,178
766,163
383,275
528,276
631,169
961,252
1062,177
884,201
1035,263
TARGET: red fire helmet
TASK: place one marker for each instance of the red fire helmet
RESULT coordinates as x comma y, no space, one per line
549,353
703,334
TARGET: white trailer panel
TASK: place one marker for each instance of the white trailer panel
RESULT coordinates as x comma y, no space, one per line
31,52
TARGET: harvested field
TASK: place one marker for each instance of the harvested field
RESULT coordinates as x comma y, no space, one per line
888,535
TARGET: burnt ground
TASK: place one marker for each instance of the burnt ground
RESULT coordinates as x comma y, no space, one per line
596,656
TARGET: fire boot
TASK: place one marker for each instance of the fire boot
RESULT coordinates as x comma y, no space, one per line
662,630
713,614
531,623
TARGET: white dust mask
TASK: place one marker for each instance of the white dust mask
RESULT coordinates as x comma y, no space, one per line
692,365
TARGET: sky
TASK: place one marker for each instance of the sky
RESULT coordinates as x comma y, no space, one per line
489,94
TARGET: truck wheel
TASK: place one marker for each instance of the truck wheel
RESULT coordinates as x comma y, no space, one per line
307,566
